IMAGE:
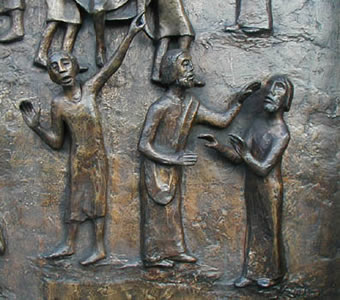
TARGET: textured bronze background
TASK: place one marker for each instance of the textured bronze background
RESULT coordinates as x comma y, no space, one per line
304,44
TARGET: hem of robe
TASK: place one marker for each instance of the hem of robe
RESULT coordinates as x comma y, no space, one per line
126,12
11,5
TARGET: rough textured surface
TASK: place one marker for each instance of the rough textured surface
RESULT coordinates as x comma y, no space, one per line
304,45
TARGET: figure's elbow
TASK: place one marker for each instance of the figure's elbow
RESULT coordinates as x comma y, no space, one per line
143,147
56,143
263,170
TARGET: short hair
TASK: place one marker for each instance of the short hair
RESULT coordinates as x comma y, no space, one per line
58,54
289,89
168,70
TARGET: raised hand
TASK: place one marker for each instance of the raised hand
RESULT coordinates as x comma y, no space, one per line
29,114
238,144
186,159
248,90
212,142
137,23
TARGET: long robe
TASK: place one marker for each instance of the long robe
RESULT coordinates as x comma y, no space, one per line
88,158
95,6
263,195
170,19
8,5
255,14
63,11
161,185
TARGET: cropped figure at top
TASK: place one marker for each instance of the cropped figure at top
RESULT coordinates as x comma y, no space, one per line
76,109
59,12
171,22
15,10
107,10
252,17
163,144
261,151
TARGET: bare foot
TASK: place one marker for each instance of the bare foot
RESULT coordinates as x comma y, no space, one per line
155,76
40,60
164,263
100,57
60,252
96,256
183,257
232,28
265,282
255,30
242,282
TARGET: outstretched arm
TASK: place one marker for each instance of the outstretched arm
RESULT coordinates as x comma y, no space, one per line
227,151
223,119
146,141
261,168
54,136
98,80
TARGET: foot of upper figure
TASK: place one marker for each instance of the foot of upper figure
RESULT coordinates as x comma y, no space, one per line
183,257
261,282
62,251
94,257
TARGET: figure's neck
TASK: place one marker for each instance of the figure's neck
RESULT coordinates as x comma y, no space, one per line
276,116
176,91
73,92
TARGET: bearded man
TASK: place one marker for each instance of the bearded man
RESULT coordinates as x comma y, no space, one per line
163,144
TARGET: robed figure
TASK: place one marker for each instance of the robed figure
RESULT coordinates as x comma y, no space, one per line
261,151
163,144
76,109
252,17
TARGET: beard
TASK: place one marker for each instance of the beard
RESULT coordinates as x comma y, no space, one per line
186,82
270,108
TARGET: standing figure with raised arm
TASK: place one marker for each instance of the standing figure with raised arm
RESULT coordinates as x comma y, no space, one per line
261,151
252,17
76,109
15,10
163,144
59,12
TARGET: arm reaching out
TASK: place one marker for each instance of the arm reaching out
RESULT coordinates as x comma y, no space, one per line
54,137
223,119
226,151
98,80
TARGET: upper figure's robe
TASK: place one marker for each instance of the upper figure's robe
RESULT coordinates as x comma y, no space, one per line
170,19
255,14
114,9
65,11
8,5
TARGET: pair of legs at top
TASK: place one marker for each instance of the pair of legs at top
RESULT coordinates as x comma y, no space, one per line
67,247
16,30
69,40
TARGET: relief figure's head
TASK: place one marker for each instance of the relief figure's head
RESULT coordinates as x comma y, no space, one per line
177,69
279,94
62,68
